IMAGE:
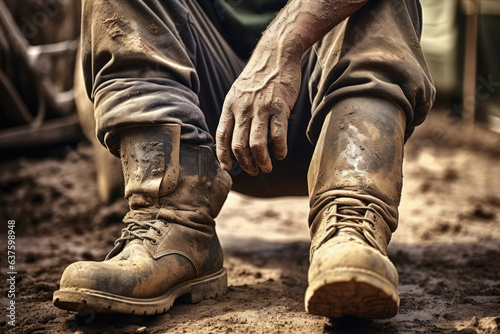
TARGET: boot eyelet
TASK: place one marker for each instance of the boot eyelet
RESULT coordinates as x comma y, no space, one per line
372,225
374,217
164,223
159,233
153,241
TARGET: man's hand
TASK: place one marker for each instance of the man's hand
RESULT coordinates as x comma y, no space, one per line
261,98
258,103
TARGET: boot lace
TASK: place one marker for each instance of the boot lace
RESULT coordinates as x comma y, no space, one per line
353,217
138,227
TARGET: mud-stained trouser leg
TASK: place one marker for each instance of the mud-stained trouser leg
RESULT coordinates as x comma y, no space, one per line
180,67
146,62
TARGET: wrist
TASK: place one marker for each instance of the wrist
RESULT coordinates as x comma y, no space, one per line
288,49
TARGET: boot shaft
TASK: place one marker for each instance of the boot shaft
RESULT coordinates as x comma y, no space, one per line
359,155
164,175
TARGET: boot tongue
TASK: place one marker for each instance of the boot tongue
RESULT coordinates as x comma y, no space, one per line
131,217
350,232
133,242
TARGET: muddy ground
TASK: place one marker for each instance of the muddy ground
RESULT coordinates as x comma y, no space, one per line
447,248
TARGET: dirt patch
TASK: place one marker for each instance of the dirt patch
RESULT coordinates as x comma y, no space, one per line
447,248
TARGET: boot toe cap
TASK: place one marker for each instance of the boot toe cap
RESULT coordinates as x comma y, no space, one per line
98,276
354,256
351,279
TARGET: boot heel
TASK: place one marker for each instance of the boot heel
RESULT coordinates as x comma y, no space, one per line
208,287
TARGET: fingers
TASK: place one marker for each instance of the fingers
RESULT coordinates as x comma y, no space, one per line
250,146
279,129
240,146
245,135
258,144
223,139
247,140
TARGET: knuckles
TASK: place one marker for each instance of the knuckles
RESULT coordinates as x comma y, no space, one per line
239,148
221,135
258,147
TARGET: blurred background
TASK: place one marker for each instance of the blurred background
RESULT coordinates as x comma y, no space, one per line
38,43
460,42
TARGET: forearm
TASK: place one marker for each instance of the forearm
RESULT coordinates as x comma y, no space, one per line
303,22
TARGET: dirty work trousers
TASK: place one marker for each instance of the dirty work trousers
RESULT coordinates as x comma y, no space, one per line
154,62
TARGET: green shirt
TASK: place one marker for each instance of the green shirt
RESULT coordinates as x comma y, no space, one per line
241,22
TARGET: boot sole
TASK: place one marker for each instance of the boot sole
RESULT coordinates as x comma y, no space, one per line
193,291
352,292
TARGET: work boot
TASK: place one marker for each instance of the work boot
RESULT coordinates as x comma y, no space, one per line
355,181
169,248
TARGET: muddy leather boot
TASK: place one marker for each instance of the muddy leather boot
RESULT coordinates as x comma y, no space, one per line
355,181
169,248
